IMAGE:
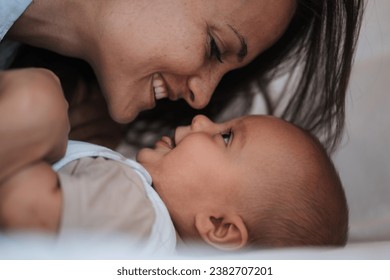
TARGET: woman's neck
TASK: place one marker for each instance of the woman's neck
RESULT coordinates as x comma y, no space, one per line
61,26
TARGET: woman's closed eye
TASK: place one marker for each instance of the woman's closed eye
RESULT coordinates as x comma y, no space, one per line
214,50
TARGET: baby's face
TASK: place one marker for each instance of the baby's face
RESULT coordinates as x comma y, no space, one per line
212,165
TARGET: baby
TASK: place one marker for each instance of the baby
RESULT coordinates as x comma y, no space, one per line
252,181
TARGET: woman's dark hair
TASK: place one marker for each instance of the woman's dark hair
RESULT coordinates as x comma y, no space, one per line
312,61
313,58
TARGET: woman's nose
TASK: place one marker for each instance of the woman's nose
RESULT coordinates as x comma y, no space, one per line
198,99
201,88
201,123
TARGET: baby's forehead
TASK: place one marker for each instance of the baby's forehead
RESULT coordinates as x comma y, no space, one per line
275,139
257,119
271,126
274,148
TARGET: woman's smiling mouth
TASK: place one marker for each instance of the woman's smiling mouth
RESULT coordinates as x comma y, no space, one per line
159,88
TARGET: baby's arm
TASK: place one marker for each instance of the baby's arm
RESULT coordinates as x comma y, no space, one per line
34,130
34,121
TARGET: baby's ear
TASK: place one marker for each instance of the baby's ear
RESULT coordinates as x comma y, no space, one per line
225,233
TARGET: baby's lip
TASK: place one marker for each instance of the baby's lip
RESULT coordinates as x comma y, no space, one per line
169,141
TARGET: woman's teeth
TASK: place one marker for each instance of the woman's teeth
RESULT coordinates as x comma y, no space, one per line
159,88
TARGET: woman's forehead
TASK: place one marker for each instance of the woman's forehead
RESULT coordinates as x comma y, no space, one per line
259,22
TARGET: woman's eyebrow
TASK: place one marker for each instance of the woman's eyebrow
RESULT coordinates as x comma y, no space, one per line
241,54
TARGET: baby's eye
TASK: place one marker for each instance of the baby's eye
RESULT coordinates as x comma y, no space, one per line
226,136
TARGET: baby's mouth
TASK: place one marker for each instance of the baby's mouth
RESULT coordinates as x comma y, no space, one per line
169,141
159,87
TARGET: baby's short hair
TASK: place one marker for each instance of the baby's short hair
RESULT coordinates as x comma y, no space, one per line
310,210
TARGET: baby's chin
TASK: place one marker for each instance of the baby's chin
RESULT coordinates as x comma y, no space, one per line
141,154
145,158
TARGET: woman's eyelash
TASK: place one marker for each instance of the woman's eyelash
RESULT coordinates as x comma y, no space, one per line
226,136
214,50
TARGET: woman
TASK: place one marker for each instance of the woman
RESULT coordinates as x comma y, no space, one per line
144,51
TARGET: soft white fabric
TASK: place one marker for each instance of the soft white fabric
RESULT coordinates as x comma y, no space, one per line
163,236
10,11
363,158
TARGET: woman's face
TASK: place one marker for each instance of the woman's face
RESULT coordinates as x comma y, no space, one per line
179,48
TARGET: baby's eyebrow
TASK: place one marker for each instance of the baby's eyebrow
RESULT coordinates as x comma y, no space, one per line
241,136
241,54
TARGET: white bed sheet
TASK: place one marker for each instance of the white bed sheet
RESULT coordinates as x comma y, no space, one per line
364,157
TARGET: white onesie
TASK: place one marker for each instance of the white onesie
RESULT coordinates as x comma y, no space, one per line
105,193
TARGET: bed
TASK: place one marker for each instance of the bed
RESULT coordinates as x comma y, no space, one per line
363,161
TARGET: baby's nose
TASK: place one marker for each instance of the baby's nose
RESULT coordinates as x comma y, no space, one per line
201,122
